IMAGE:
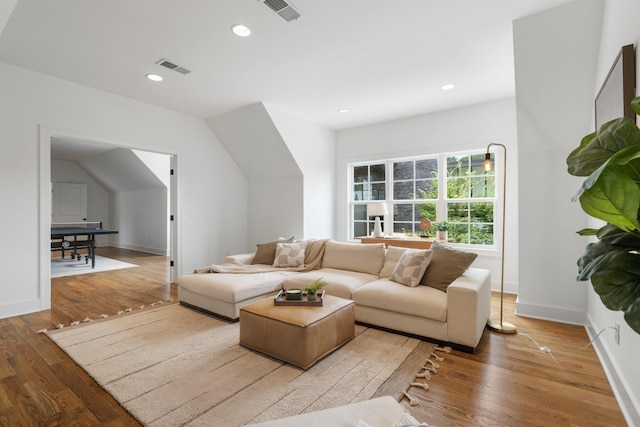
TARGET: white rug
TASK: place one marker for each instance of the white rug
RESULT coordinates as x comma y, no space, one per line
71,267
173,366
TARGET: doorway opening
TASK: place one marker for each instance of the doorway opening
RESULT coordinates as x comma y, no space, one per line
124,192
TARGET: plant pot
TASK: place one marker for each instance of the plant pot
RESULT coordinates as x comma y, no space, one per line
442,236
312,297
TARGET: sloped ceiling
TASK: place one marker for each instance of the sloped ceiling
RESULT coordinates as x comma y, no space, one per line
116,169
254,142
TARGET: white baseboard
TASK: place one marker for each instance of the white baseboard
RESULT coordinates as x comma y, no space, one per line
554,314
21,307
629,409
140,248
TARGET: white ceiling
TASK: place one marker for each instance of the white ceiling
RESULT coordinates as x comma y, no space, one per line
383,60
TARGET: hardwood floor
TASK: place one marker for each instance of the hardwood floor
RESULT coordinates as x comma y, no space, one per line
508,382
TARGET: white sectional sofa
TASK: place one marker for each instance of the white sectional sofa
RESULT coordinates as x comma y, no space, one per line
448,304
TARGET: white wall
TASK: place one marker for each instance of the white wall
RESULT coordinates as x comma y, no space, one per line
621,26
290,165
140,216
209,182
275,204
555,75
313,148
468,128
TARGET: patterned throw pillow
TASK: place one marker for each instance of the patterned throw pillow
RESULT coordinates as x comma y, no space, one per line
411,267
289,254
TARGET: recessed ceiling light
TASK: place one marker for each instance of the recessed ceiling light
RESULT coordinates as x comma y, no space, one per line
154,77
241,30
448,86
344,110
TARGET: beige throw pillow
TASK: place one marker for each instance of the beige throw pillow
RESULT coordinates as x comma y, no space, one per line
447,264
411,267
289,254
391,258
266,252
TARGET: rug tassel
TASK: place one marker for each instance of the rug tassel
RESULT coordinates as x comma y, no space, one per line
42,331
446,349
87,319
432,363
412,401
430,369
129,310
59,326
421,385
425,375
438,358
104,316
77,322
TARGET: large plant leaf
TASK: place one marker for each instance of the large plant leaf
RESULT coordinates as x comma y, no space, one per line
596,148
613,265
612,192
623,240
632,315
612,197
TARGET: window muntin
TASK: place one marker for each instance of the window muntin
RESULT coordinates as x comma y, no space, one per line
446,187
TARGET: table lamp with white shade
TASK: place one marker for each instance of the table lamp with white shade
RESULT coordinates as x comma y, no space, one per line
377,209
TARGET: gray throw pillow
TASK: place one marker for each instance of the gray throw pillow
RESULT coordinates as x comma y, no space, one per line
447,264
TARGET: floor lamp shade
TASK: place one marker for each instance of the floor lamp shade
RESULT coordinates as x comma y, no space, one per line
377,209
500,325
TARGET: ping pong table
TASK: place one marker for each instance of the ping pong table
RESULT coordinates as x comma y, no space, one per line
74,236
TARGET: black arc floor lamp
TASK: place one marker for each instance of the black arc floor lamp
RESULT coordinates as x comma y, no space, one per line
500,325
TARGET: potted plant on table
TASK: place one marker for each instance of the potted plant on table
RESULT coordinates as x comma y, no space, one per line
313,288
442,227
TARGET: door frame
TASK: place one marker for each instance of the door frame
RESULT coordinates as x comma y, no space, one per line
45,135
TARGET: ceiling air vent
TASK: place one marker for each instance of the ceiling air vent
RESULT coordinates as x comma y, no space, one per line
170,65
284,9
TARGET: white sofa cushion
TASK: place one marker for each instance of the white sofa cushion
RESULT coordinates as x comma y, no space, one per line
421,301
391,259
339,283
234,288
354,257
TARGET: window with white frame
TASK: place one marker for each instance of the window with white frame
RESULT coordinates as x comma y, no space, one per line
451,187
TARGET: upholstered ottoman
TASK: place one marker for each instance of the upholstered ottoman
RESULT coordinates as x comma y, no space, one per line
300,335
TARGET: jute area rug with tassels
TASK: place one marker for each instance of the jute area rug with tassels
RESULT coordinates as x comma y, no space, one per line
171,365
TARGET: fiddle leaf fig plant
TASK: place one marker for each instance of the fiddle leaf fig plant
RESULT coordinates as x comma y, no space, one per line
610,159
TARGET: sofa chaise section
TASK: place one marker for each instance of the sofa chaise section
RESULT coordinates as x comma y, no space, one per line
224,293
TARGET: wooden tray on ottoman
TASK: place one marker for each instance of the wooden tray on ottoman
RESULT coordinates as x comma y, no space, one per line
280,299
